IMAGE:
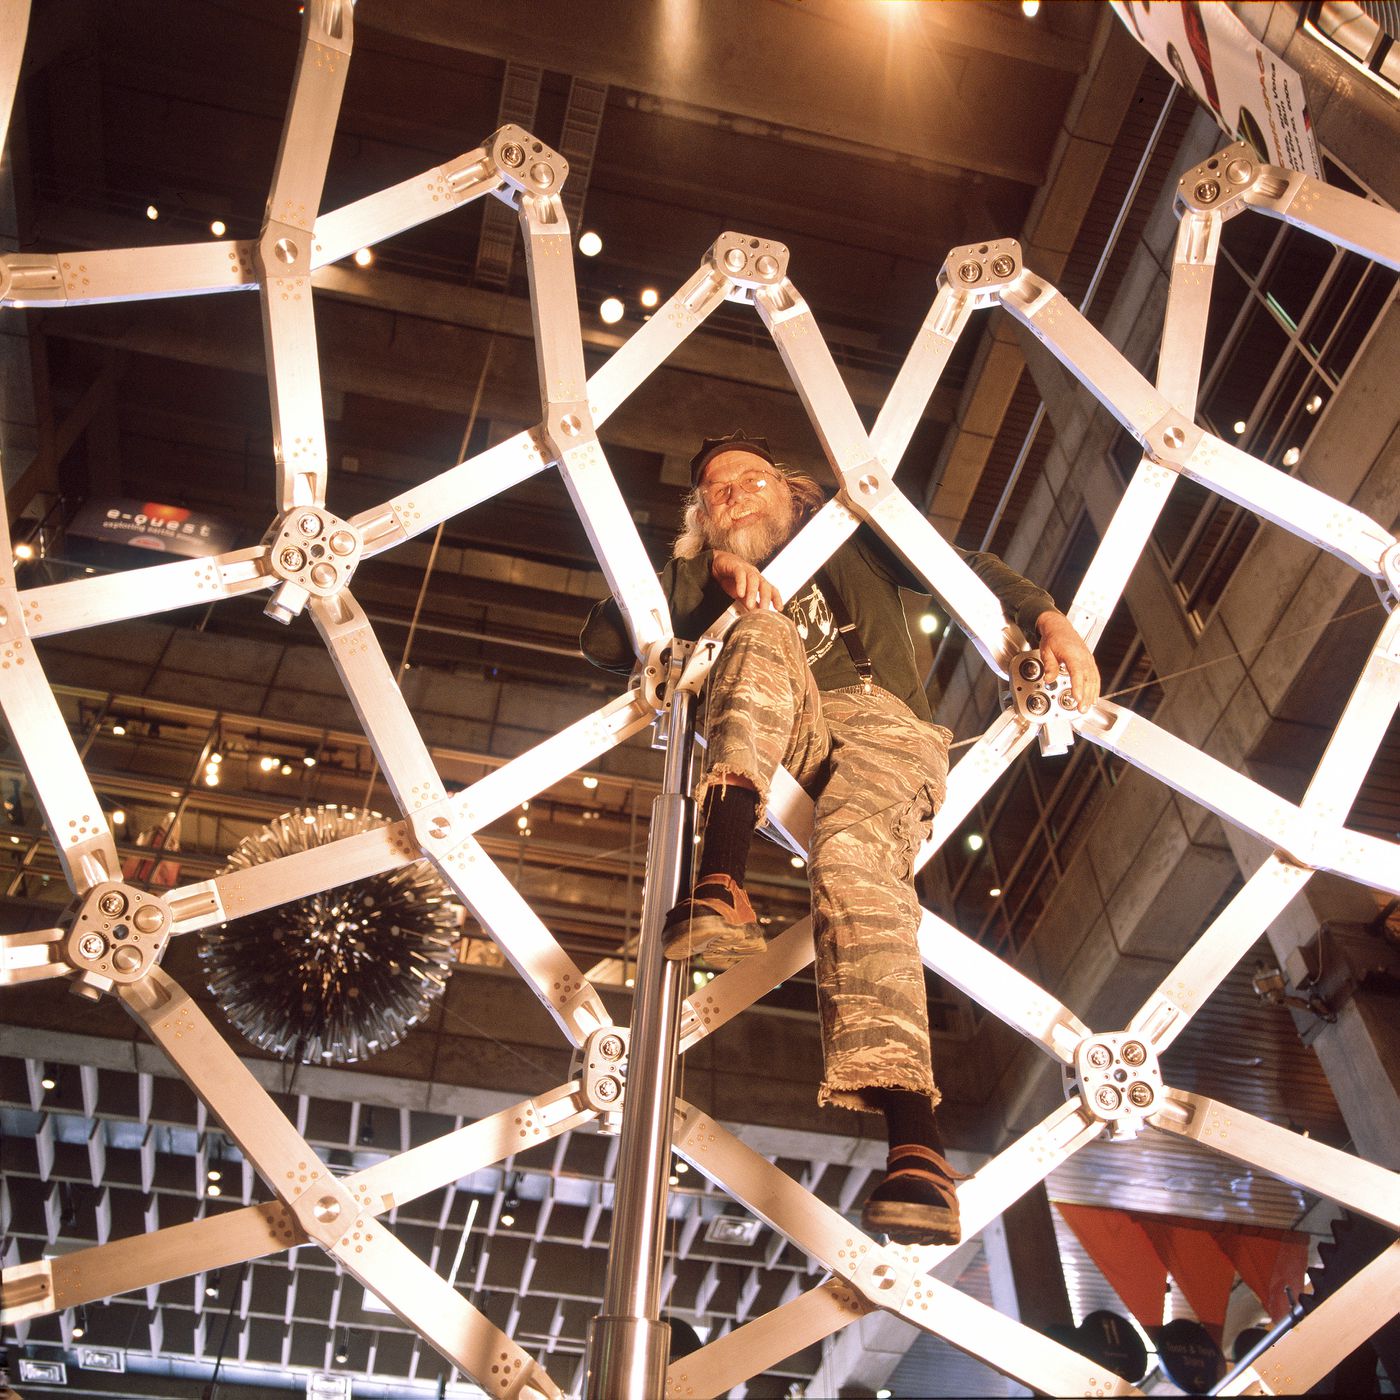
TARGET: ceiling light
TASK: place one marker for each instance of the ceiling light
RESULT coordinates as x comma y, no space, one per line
611,310
630,982
589,781
310,760
286,770
119,730
14,840
928,624
1290,458
975,842
797,862
884,1391
673,1179
590,245
24,551
1029,8
995,891
650,296
214,1174
507,1219
364,256
699,979
211,1290
1314,404
267,763
1240,426
119,817
213,1189
216,758
522,822
218,228
48,1082
152,212
211,777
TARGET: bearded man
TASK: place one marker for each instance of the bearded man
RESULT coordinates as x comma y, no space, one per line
827,685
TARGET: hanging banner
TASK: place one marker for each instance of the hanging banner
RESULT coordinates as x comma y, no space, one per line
152,525
1252,93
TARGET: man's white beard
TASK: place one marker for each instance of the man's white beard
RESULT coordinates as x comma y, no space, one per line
757,537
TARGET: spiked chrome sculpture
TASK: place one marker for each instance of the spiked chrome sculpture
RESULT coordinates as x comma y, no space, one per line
342,974
308,559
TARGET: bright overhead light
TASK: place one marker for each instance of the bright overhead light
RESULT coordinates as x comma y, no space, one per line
24,551
48,1082
507,1219
119,817
211,777
522,822
286,770
364,256
310,760
267,763
1240,426
218,228
1030,8
928,624
682,1168
995,891
1290,458
216,757
1314,404
611,310
214,1174
213,1189
119,730
590,245
975,842
797,862
589,781
650,296
152,212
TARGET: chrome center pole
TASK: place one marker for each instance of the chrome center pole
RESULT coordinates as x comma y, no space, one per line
628,1344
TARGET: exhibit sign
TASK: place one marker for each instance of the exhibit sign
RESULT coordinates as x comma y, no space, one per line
152,525
1254,95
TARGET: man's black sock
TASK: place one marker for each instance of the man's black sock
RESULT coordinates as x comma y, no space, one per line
908,1117
730,813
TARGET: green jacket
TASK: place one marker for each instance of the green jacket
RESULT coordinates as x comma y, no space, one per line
867,575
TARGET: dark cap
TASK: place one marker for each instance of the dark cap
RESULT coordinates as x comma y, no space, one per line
738,441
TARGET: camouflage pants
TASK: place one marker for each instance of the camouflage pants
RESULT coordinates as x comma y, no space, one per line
877,775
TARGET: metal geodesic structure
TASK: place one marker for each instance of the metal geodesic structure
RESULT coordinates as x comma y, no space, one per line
110,941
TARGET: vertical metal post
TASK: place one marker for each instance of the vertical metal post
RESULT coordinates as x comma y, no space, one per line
628,1344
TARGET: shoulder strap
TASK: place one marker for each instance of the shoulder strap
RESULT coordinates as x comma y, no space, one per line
849,635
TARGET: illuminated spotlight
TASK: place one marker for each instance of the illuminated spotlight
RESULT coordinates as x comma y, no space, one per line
14,840
522,822
507,1219
1290,458
928,624
611,310
590,245
1030,8
24,551
797,862
364,256
48,1082
589,781
673,1178
152,212
216,757
975,842
1313,405
884,1391
995,891
630,982
267,763
286,770
214,1174
80,1326
218,228
211,777
1240,426
650,296
699,979
682,1168
310,760
119,730
213,1189
119,817
525,806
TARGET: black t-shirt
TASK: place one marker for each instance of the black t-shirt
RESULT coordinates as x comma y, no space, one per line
867,575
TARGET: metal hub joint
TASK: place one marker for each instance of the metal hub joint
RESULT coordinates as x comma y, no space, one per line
749,262
313,553
983,269
605,1074
1118,1080
116,934
1043,700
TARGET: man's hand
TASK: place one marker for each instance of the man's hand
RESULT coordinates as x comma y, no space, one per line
743,582
1061,645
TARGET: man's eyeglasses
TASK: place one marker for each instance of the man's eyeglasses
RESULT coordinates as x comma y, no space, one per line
716,493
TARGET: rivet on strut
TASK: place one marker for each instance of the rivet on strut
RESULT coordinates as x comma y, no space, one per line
326,1209
1173,436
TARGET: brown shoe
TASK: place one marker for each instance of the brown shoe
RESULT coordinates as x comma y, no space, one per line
716,923
916,1203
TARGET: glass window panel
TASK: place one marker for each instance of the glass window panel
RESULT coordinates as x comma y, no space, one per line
1267,440
1238,387
1248,241
973,902
1227,295
1013,823
1297,272
1376,287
